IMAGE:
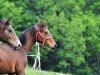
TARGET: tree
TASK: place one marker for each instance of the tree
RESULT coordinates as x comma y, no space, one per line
74,24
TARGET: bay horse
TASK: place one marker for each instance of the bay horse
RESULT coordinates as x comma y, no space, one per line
14,61
8,35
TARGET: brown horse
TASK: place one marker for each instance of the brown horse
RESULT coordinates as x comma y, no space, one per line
8,35
14,62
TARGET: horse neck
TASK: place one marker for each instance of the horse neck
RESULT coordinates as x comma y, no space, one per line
2,37
29,40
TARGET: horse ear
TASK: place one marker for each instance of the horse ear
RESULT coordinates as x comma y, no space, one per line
8,20
42,24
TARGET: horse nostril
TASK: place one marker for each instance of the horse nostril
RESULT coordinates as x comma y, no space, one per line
19,45
55,46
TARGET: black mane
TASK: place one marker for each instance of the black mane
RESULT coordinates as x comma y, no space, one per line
22,37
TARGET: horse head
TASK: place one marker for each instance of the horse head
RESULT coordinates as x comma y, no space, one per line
43,35
8,35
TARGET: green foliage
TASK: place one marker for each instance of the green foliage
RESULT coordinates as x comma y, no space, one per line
74,24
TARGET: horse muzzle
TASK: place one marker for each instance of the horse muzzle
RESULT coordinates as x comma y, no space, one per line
16,47
53,46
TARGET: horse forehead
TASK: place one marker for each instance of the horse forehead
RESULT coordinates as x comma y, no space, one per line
10,27
49,34
46,29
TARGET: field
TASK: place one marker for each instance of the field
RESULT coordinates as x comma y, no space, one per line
30,71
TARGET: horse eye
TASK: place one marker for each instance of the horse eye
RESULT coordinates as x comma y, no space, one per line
10,30
46,32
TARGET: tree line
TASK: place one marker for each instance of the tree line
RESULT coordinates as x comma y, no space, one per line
74,24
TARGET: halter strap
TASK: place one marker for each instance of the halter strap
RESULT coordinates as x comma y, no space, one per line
39,33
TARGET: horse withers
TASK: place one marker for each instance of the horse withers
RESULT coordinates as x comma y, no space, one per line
8,35
14,62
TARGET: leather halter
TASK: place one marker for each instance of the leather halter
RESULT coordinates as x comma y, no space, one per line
39,33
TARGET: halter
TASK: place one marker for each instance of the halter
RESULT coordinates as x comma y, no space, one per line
39,33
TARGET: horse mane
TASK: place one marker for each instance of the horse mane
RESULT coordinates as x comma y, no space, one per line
22,37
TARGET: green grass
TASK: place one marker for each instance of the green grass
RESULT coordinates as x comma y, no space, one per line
30,71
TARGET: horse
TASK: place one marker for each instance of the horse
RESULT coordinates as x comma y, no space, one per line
8,35
14,61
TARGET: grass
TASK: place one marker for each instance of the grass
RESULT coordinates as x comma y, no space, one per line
30,71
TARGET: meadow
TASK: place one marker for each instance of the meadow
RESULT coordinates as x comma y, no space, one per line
30,71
